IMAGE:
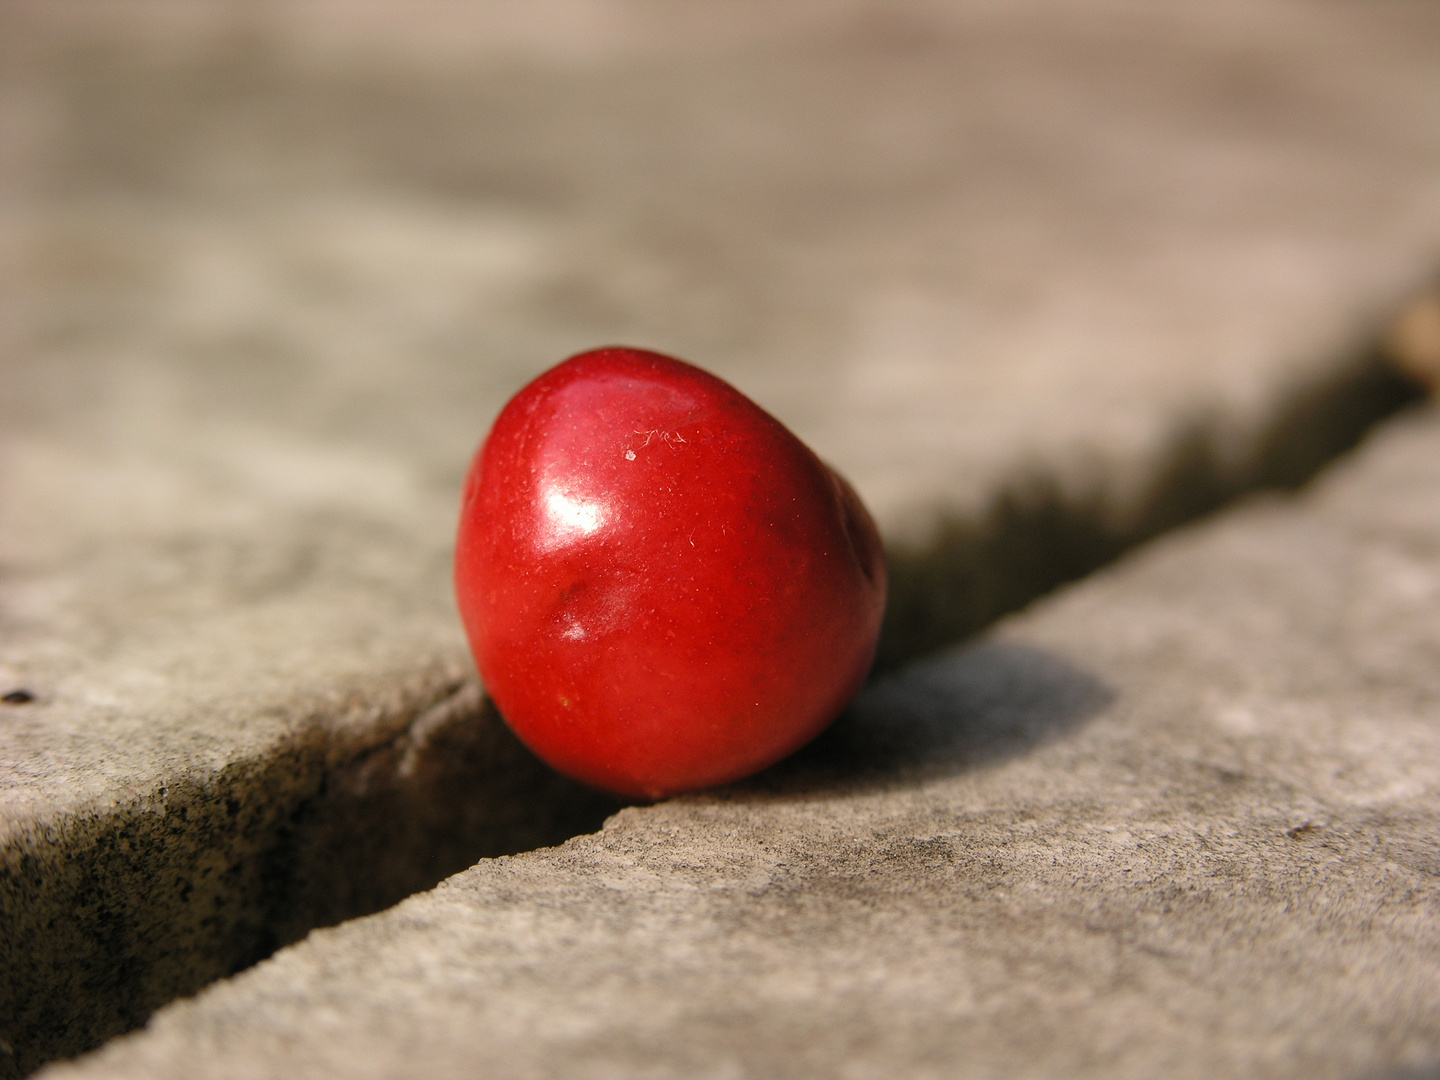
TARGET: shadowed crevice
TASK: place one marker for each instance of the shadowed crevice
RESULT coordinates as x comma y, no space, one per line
1036,538
111,916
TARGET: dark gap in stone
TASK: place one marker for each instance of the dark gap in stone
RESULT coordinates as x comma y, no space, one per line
1036,538
134,907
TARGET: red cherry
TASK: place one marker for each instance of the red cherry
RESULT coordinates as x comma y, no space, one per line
663,587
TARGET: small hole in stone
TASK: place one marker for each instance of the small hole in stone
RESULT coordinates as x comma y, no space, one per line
18,697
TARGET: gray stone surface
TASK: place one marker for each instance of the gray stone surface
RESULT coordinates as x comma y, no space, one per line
1180,820
269,271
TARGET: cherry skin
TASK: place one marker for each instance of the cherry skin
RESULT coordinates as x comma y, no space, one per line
663,587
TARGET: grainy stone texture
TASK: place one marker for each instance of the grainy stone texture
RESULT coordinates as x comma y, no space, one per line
269,270
1179,821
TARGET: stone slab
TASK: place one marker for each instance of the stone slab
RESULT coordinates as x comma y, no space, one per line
270,271
1180,820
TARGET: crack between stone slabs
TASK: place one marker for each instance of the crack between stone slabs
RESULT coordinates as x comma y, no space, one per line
110,916
1035,537
90,947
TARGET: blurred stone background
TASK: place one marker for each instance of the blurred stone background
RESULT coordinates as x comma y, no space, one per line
940,240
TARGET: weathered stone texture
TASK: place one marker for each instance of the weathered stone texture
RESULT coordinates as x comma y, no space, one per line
1179,820
266,284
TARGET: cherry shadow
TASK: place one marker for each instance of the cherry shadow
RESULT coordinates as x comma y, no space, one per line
958,710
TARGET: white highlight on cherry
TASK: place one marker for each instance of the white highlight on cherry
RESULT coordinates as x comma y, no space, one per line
570,518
